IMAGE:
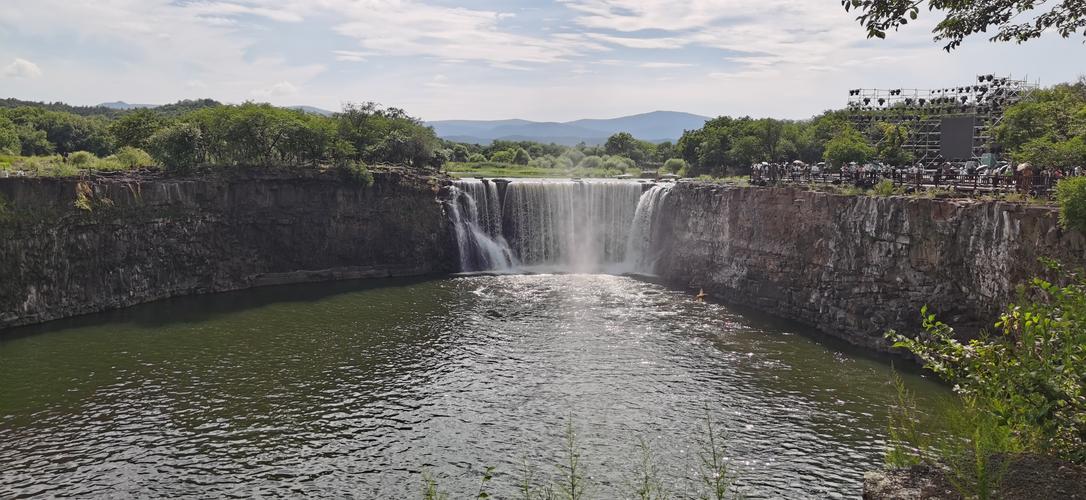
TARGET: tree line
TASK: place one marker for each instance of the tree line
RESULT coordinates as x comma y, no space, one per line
188,134
621,152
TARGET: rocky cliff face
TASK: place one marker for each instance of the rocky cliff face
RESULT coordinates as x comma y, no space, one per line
855,266
70,246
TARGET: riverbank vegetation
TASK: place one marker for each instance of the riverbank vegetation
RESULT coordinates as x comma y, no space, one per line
713,475
1021,387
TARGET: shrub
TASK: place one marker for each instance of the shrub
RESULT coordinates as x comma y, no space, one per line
886,187
675,165
616,162
590,162
129,157
358,173
82,159
1071,195
476,158
1031,376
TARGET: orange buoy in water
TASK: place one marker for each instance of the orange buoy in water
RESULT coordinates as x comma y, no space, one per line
700,297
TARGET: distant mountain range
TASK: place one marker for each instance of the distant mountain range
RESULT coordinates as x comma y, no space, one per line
124,106
657,126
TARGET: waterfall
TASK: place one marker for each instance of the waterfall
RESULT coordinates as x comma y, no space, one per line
556,225
476,216
577,226
641,256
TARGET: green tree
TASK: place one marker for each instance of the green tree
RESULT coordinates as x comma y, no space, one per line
476,158
386,135
746,151
9,138
460,153
34,142
626,145
521,157
620,144
1013,20
136,127
177,147
1071,195
848,146
504,156
664,152
890,147
65,132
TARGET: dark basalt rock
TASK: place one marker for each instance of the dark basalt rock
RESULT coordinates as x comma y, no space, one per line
1027,477
856,266
149,237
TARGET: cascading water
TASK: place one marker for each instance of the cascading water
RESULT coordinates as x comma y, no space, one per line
640,254
476,215
573,226
568,226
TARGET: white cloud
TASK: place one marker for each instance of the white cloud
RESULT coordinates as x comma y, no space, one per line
642,43
414,28
664,65
223,9
350,55
438,81
21,68
280,89
598,58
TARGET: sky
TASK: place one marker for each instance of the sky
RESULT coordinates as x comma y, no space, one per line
554,60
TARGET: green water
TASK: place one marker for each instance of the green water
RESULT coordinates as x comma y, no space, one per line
354,389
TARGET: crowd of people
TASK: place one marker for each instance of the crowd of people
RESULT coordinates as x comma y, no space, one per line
1004,176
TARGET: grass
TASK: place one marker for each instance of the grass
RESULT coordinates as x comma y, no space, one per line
491,169
969,452
715,478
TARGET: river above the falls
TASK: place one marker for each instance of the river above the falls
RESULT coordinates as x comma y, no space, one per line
357,388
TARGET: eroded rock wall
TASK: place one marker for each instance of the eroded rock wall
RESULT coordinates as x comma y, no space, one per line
145,239
855,266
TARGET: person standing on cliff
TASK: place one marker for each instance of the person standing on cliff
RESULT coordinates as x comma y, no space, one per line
1024,173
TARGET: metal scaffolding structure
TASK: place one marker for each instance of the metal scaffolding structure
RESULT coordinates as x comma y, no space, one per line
923,110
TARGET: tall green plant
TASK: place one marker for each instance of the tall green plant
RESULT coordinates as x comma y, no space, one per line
646,483
1030,376
1071,195
716,476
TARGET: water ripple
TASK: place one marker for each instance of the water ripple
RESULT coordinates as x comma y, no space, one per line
354,393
